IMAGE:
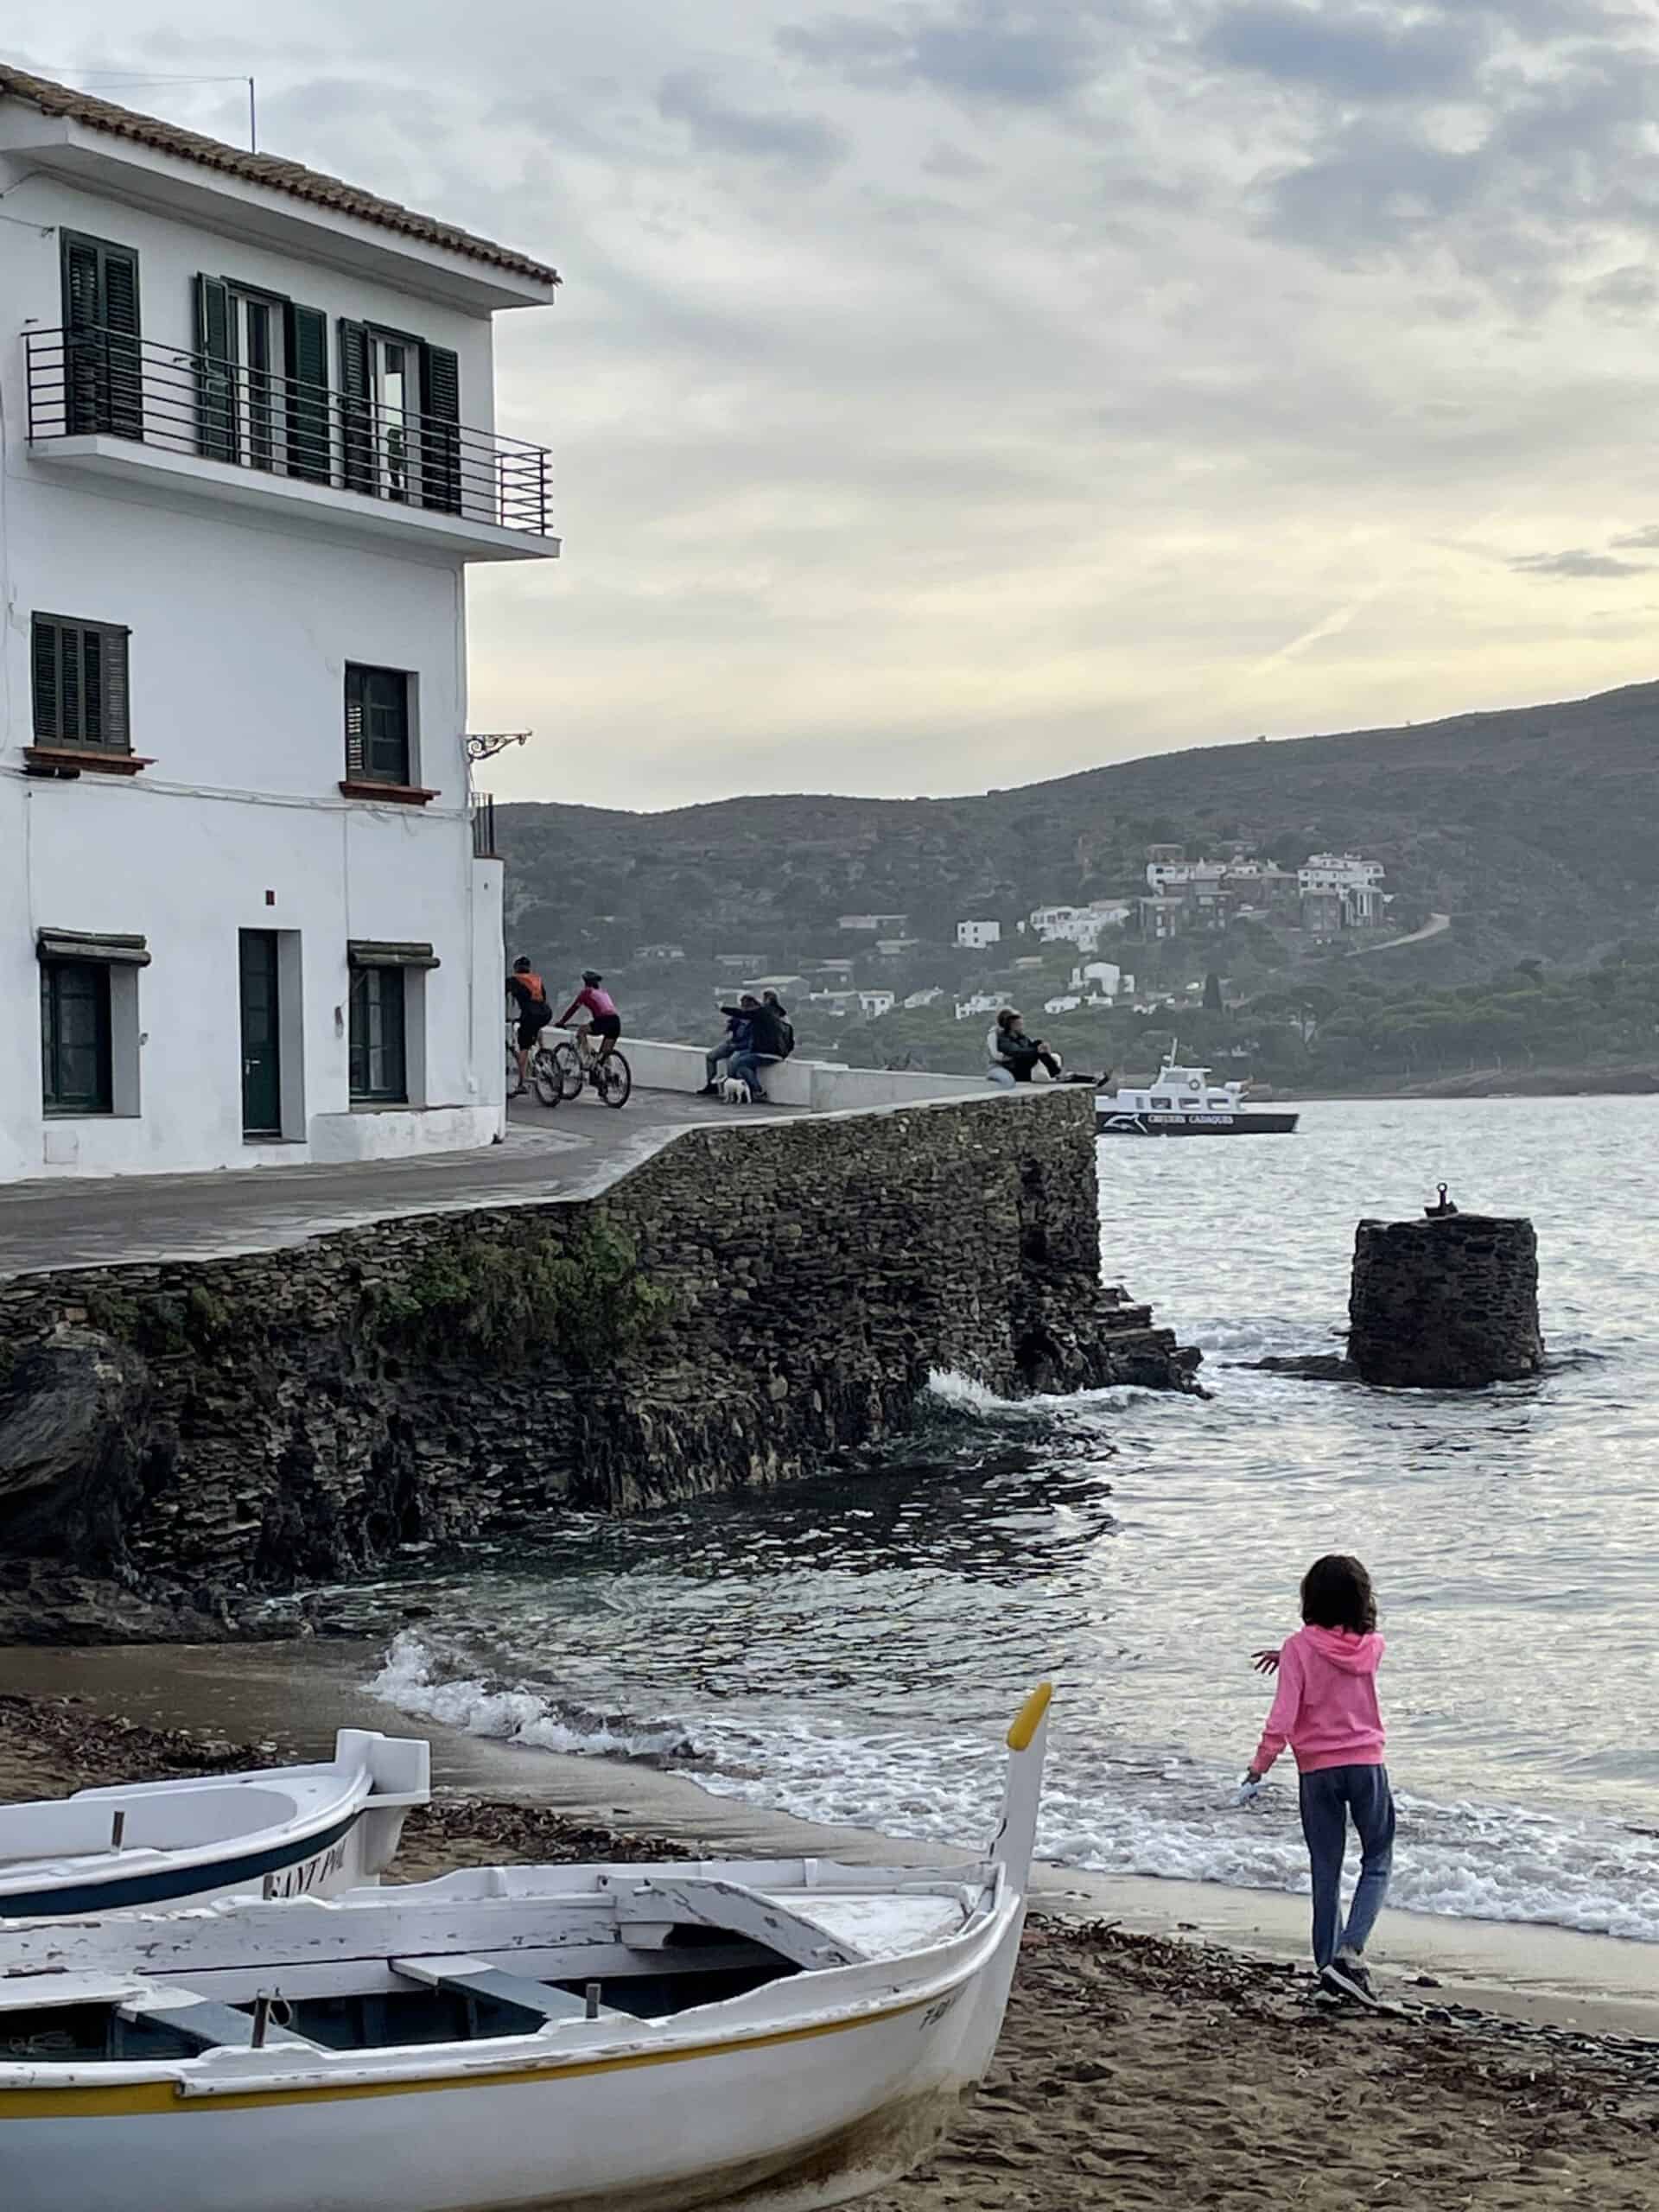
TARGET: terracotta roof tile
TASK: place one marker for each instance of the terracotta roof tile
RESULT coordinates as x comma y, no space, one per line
269,170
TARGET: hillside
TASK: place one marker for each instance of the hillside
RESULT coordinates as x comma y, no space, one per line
1536,830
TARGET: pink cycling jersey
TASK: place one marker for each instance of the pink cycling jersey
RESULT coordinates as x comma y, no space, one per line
597,1002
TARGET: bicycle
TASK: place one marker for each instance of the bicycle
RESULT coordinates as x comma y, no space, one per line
573,1062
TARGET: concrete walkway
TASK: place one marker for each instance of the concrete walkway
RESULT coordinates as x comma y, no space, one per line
570,1152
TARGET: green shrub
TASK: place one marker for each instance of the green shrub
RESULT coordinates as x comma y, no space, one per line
581,1296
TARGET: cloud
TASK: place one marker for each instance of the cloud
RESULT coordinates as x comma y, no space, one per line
1627,295
806,143
1358,53
1639,541
985,50
1578,563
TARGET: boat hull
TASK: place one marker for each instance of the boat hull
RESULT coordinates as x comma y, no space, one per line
1247,1123
282,1833
795,2118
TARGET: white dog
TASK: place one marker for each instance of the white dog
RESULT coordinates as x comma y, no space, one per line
735,1092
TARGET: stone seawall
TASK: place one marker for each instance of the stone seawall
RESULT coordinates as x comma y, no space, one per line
740,1309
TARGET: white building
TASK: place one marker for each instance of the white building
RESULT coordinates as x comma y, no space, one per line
241,903
975,937
874,1004
1068,1004
1102,978
1352,878
1082,926
890,924
919,999
979,1002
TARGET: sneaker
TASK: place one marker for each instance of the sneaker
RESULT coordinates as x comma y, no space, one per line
709,1090
1347,1976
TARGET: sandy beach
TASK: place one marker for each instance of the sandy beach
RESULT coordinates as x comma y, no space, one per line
1135,2069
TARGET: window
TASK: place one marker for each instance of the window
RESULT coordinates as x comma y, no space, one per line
378,1060
262,380
400,409
378,726
80,671
1162,1105
103,375
75,1057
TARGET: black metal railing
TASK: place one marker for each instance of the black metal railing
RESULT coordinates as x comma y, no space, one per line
484,826
88,381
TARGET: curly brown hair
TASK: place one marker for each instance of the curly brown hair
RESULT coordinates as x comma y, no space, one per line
1337,1593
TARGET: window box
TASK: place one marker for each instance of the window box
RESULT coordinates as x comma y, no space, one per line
398,794
68,760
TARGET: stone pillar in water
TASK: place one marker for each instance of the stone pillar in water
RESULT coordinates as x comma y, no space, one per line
1449,1304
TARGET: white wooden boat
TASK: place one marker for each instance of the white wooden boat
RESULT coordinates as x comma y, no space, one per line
278,1831
783,2035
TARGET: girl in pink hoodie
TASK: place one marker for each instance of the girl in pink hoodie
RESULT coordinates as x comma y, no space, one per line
1326,1711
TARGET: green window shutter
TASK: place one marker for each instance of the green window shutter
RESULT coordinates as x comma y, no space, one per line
44,642
356,415
80,289
71,688
356,726
113,703
91,688
120,305
305,331
215,377
84,358
439,434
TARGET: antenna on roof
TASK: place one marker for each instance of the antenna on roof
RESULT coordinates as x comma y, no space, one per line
253,121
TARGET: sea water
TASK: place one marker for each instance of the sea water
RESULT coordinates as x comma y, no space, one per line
848,1648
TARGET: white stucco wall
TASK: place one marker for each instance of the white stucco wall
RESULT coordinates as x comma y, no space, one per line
241,627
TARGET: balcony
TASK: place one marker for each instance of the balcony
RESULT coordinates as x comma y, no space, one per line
189,426
483,813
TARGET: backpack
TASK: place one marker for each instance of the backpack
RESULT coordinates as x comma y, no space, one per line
786,1037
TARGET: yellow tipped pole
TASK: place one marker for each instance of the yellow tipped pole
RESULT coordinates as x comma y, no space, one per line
1027,1740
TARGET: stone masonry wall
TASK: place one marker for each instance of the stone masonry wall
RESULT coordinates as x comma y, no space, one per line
1444,1303
747,1305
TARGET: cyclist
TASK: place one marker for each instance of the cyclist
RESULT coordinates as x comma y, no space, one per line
603,1020
529,994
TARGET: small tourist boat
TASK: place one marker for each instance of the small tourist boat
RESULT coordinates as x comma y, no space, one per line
1185,1101
785,2034
279,1831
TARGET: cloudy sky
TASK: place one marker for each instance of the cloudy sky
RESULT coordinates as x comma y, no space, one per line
956,392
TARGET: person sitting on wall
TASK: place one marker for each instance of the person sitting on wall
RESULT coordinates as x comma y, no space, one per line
786,1027
771,1040
529,995
735,1040
1012,1054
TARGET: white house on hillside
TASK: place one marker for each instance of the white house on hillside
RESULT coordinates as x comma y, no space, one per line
1350,878
975,936
249,449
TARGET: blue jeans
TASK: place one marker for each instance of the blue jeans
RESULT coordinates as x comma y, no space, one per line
1327,1798
713,1062
745,1066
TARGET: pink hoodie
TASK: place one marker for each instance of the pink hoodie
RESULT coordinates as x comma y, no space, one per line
1326,1708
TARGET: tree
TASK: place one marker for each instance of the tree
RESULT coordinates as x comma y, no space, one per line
1212,998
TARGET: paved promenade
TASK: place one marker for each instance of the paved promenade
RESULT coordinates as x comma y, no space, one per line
570,1152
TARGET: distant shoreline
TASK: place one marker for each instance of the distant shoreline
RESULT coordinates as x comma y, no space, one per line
1489,1082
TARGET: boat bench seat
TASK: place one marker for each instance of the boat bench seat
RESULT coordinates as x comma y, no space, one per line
476,1978
212,2026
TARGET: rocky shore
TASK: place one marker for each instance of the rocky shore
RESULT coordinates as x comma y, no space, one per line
1135,2073
748,1306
